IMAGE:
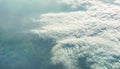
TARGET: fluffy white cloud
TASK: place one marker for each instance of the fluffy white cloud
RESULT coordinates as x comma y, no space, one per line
84,39
87,53
85,4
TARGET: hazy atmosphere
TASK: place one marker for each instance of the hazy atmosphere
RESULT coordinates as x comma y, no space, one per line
20,49
59,34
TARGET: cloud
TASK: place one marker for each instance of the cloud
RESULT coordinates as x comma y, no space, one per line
85,4
87,53
87,39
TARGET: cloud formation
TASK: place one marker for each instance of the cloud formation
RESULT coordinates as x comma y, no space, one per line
87,53
88,39
86,4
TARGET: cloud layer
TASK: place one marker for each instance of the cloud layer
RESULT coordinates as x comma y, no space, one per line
85,39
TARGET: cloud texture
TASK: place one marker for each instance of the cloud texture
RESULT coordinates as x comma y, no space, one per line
85,39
